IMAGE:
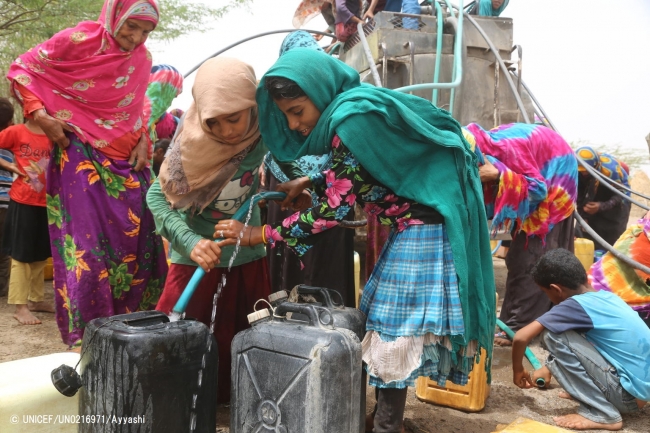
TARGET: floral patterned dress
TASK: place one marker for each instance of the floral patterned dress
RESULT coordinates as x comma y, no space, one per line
345,183
107,257
411,299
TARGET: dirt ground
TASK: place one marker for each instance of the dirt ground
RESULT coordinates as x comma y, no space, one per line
505,403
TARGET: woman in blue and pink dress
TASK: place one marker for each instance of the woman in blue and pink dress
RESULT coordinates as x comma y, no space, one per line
407,163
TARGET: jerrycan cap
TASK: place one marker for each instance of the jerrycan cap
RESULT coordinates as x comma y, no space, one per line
278,296
258,315
66,380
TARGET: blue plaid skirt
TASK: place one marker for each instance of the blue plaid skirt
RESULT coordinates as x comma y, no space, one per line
412,292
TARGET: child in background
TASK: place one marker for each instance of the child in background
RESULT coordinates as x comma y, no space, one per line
159,151
26,238
599,347
6,179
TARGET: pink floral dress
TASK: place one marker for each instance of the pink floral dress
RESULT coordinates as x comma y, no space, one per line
339,188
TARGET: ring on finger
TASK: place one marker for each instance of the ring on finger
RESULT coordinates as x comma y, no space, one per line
221,233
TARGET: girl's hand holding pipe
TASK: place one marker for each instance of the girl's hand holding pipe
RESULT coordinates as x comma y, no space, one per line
206,253
230,230
293,189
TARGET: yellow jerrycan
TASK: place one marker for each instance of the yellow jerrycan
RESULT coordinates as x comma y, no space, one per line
584,251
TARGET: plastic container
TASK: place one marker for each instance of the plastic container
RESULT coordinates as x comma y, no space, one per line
26,390
296,376
584,251
469,398
344,317
48,270
143,365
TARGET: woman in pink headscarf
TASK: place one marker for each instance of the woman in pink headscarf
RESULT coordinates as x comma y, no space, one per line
85,88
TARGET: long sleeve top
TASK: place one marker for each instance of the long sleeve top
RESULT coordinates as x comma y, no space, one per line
346,9
537,185
184,231
339,188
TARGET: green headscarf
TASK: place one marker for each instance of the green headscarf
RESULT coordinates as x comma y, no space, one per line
407,144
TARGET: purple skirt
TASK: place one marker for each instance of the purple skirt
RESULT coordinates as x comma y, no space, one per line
107,258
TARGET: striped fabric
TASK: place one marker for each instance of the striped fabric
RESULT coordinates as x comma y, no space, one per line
413,293
613,275
6,179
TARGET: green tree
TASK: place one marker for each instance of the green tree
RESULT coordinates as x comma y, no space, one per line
25,23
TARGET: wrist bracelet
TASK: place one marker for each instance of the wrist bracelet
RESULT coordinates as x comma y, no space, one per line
250,232
263,234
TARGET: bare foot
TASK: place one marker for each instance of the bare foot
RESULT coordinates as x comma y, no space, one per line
564,394
641,403
42,306
24,316
503,342
579,422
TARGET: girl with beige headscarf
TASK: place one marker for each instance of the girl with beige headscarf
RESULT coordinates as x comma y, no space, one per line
211,170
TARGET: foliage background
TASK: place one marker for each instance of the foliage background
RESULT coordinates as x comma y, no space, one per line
25,23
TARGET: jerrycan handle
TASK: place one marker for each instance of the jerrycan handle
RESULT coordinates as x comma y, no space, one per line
323,293
318,316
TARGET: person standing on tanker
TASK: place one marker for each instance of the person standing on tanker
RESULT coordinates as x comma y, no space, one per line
211,170
489,8
529,174
417,301
85,89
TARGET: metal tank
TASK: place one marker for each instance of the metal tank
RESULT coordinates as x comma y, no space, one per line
407,57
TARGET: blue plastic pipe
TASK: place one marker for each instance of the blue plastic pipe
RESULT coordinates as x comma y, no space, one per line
540,382
240,215
494,251
457,74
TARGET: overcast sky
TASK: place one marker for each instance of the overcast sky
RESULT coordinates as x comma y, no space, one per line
587,61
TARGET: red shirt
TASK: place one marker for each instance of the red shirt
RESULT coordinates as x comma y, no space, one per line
32,154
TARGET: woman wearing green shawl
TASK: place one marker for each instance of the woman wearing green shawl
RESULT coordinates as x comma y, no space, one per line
489,8
430,300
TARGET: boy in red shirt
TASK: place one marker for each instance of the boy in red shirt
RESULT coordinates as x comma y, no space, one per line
6,179
26,238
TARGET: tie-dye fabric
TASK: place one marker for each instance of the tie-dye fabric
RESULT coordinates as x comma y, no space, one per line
165,84
84,78
613,275
606,164
538,177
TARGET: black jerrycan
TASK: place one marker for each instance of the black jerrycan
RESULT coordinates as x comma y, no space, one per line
161,374
296,376
344,317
